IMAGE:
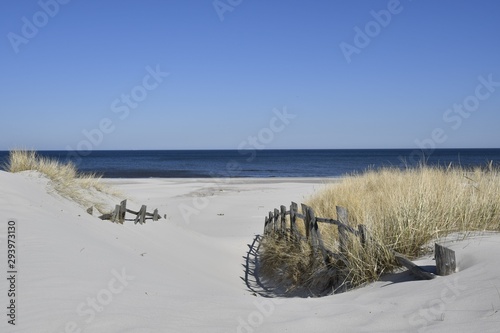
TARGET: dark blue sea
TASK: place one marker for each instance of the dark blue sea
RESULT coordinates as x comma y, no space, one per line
261,163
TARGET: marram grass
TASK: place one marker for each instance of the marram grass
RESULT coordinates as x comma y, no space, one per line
403,211
64,177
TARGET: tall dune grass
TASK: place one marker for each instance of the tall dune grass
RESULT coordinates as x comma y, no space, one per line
403,211
64,177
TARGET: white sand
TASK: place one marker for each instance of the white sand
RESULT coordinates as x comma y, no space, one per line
184,274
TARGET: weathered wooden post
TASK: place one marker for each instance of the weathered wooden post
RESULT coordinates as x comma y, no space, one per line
316,240
363,234
266,227
116,214
141,215
122,211
271,222
343,218
283,220
445,260
276,220
309,220
306,222
293,219
156,216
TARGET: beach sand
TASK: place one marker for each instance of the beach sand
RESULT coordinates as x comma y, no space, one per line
186,273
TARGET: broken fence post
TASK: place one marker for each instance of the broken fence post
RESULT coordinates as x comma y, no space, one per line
445,260
141,215
122,211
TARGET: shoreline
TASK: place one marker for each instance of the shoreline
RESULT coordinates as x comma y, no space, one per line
227,181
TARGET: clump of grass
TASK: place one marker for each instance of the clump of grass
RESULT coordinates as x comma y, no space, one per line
403,211
65,178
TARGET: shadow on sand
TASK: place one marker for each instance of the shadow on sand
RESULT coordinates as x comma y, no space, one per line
260,286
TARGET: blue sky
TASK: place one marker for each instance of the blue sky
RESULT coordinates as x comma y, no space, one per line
354,74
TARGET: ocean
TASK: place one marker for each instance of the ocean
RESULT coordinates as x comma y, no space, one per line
260,163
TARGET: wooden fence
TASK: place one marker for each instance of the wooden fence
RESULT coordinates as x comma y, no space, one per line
118,215
276,225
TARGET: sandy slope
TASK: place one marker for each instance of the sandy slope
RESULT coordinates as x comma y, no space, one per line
183,274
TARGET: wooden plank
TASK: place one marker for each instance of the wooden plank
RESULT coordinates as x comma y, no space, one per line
342,215
318,241
271,221
276,220
122,211
343,240
143,214
283,219
116,214
306,221
293,220
299,215
309,222
156,217
325,220
418,271
445,260
363,234
343,236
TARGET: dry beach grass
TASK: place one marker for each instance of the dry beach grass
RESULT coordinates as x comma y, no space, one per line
84,189
403,211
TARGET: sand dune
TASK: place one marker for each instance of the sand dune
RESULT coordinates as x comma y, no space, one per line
184,273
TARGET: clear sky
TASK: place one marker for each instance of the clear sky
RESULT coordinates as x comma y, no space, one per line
92,74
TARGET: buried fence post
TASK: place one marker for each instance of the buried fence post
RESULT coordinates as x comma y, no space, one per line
116,213
122,211
445,260
141,215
